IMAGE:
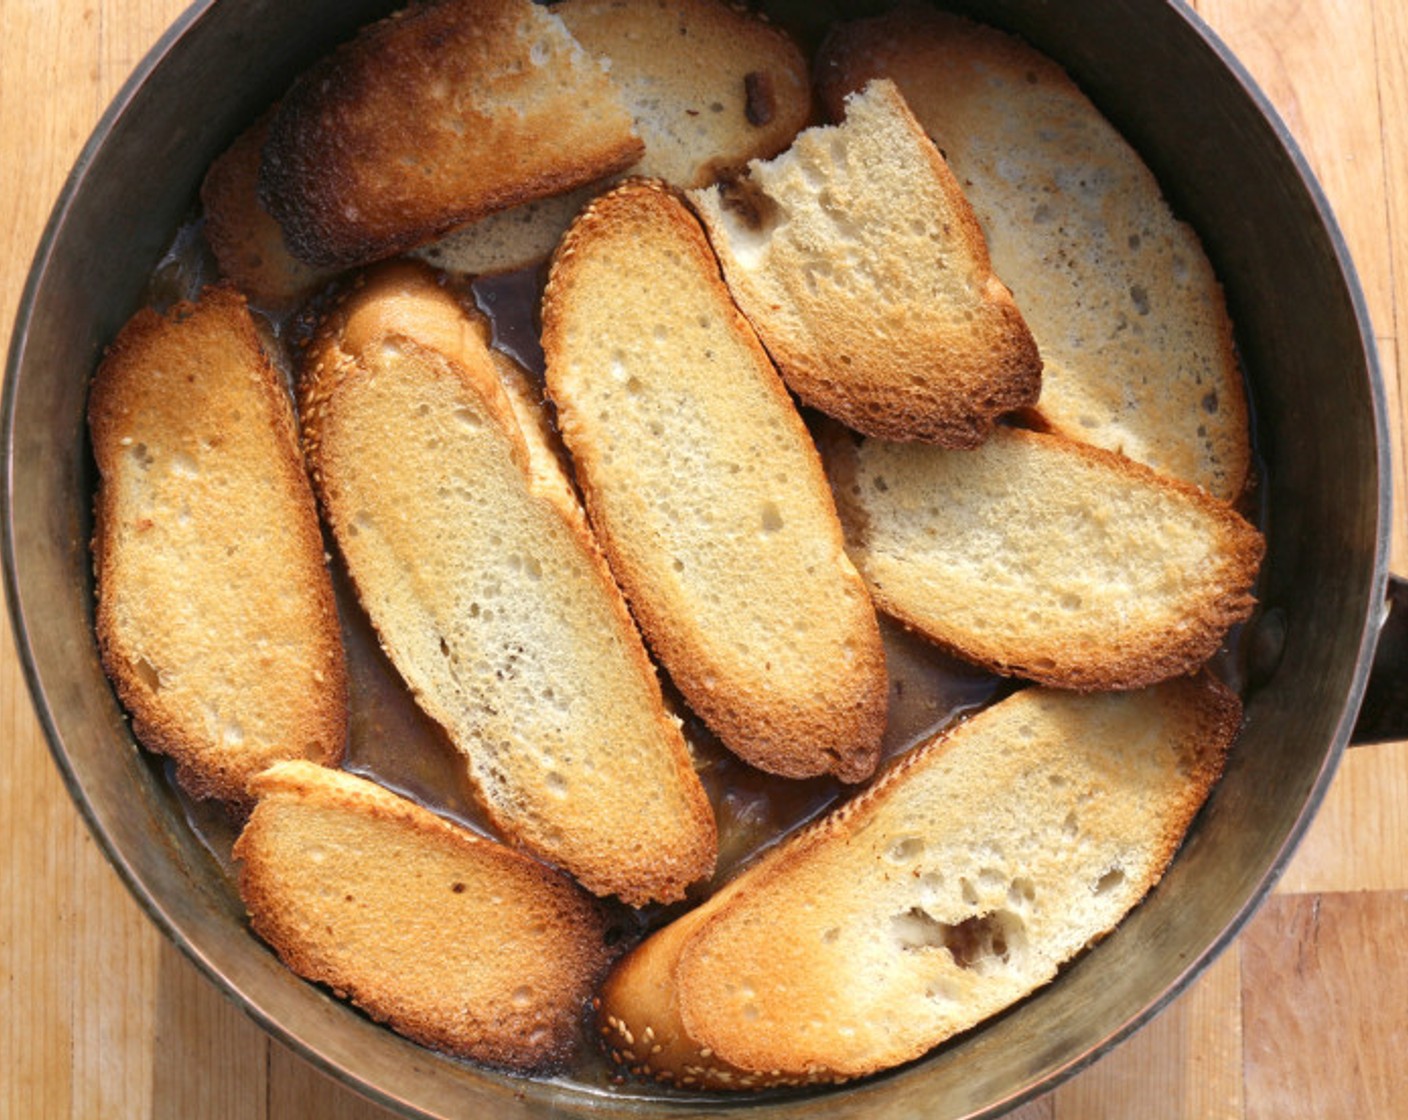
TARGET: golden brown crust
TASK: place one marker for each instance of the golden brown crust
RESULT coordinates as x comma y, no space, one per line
215,616
454,941
585,768
793,936
796,720
1143,359
1182,608
432,118
865,272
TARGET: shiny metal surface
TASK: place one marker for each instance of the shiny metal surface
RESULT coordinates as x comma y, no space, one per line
1304,336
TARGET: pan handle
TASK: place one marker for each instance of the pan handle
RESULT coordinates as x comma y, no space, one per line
1384,713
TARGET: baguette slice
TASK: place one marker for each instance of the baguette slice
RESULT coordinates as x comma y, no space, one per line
436,116
707,493
1125,307
951,888
454,941
709,86
215,614
248,244
856,257
1040,557
476,567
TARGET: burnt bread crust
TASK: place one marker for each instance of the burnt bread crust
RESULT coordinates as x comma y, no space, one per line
247,242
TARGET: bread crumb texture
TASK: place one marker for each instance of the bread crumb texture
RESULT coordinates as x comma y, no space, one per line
1044,558
708,85
707,492
957,884
215,613
856,257
438,115
452,940
473,561
1118,292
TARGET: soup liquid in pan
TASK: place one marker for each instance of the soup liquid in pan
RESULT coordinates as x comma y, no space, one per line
391,741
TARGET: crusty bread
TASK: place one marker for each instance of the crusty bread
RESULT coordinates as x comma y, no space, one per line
436,116
215,612
955,885
475,565
453,940
248,244
709,85
1046,558
707,492
1124,305
509,239
864,272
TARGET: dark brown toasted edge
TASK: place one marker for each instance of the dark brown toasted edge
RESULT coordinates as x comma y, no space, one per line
852,728
581,941
246,240
204,777
1184,652
855,52
326,365
301,183
643,1019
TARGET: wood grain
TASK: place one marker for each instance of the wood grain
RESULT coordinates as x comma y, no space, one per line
1326,1036
106,1020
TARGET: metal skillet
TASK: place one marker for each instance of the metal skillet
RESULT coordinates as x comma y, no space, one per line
1228,166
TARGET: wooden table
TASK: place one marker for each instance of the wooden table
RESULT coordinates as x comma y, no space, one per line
1305,1016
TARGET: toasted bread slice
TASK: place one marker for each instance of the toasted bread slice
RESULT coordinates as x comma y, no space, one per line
248,244
453,940
475,565
441,114
1125,307
1045,558
707,493
955,885
215,613
508,240
860,264
709,85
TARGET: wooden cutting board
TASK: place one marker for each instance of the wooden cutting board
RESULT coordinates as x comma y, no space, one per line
1305,1016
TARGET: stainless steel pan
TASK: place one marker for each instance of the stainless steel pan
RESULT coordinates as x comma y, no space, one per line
1227,165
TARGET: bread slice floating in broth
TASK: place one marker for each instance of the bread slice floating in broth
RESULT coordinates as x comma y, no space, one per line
1039,557
707,492
858,261
451,939
215,613
476,567
955,885
1122,300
